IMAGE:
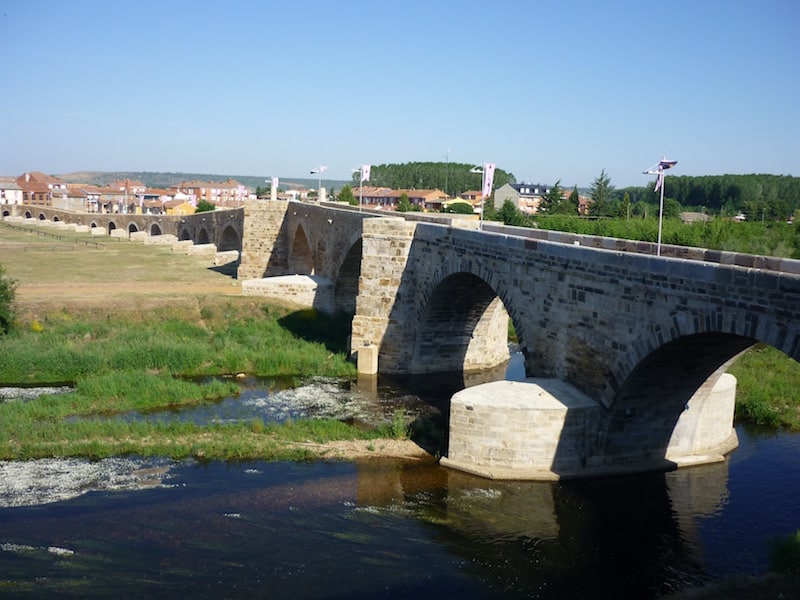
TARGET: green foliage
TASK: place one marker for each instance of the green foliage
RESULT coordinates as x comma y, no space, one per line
204,206
601,192
784,554
766,239
461,207
511,215
403,204
456,177
767,197
7,295
234,339
346,196
767,384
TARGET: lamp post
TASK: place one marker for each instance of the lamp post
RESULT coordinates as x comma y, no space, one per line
319,171
658,171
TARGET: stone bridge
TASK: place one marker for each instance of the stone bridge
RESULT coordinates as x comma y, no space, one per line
625,351
222,228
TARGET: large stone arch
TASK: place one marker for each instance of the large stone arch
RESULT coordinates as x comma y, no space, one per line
229,240
203,237
132,227
643,414
301,259
184,234
463,326
155,229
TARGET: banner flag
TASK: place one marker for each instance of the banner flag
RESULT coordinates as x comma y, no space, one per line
488,179
364,172
275,182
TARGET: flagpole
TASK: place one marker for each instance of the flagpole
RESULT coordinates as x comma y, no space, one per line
660,208
662,166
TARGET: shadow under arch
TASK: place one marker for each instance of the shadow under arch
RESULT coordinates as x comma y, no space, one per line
155,229
301,260
229,240
345,289
463,326
642,417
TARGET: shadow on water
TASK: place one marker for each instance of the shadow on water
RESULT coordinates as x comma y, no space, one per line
376,528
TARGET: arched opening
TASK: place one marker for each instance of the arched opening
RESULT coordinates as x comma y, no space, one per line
229,240
111,226
667,383
55,219
185,235
202,237
28,214
301,261
155,229
345,289
464,327
6,213
132,228
42,217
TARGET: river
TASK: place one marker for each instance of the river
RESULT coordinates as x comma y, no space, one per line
131,527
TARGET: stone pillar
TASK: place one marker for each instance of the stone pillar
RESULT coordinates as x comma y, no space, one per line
382,320
265,252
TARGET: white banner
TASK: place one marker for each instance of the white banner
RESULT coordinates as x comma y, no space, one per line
364,172
488,179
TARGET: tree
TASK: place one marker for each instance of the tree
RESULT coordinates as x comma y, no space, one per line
204,206
551,201
346,195
7,295
509,214
403,205
601,192
625,207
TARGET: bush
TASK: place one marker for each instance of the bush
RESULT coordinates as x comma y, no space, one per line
784,554
7,294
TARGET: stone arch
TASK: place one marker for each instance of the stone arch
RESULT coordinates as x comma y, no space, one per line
229,240
155,229
111,226
132,228
673,379
42,217
345,289
6,212
202,236
184,235
462,326
56,219
301,259
28,214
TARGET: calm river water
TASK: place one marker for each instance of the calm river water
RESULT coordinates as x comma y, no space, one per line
383,529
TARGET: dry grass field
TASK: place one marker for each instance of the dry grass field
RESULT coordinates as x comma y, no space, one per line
62,269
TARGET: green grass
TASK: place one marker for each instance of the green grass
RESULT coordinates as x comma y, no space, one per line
767,388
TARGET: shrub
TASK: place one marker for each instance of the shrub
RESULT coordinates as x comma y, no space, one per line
7,294
784,554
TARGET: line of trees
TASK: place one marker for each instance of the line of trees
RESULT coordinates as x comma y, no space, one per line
452,178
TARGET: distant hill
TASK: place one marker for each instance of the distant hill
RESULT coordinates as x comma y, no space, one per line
164,180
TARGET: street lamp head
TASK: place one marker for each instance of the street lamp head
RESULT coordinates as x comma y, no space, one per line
476,170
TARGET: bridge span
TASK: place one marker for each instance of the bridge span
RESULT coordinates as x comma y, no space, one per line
632,347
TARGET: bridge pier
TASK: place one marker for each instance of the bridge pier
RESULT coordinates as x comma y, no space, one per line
545,429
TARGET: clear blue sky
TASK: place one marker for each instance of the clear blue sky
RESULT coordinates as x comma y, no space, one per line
547,90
